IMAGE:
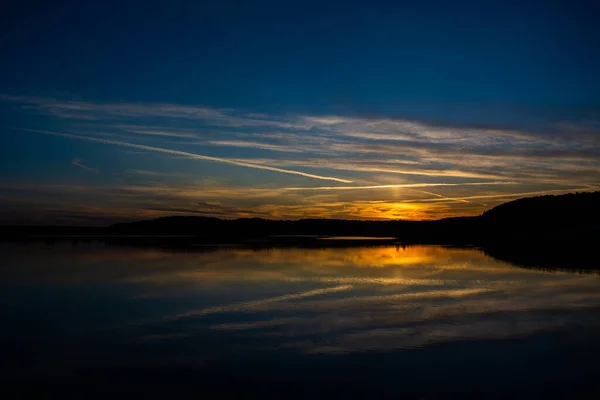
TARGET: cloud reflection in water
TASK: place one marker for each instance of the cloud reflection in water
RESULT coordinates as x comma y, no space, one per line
334,301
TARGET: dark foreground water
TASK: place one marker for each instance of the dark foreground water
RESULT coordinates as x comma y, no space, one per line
420,322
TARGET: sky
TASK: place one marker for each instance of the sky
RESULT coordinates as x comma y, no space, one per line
120,110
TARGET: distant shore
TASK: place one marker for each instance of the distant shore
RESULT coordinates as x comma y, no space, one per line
544,231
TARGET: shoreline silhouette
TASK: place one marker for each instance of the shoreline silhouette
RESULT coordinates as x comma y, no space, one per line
549,217
547,232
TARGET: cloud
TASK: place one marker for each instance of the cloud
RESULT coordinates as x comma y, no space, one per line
209,207
253,145
76,109
194,156
393,186
508,195
179,210
78,162
378,158
212,210
370,165
154,174
152,132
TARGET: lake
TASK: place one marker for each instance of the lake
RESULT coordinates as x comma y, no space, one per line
421,322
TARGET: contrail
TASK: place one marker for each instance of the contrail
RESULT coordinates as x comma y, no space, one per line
193,155
437,195
499,196
407,185
78,162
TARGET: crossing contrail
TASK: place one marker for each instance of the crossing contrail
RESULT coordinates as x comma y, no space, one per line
193,155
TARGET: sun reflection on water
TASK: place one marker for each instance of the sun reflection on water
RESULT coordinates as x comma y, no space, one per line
326,300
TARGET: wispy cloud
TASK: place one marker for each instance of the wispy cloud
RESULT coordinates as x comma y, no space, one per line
153,200
212,209
393,186
78,162
509,195
194,156
156,132
381,159
253,145
373,165
74,109
152,173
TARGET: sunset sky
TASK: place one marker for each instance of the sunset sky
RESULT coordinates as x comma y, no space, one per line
120,110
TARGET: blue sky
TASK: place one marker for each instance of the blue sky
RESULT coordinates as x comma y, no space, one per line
418,110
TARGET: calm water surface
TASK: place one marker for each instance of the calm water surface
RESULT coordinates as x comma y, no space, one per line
420,321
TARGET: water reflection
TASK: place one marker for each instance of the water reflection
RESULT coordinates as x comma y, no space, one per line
103,306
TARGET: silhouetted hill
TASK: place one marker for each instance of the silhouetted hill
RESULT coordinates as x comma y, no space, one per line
573,216
561,218
252,228
569,209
